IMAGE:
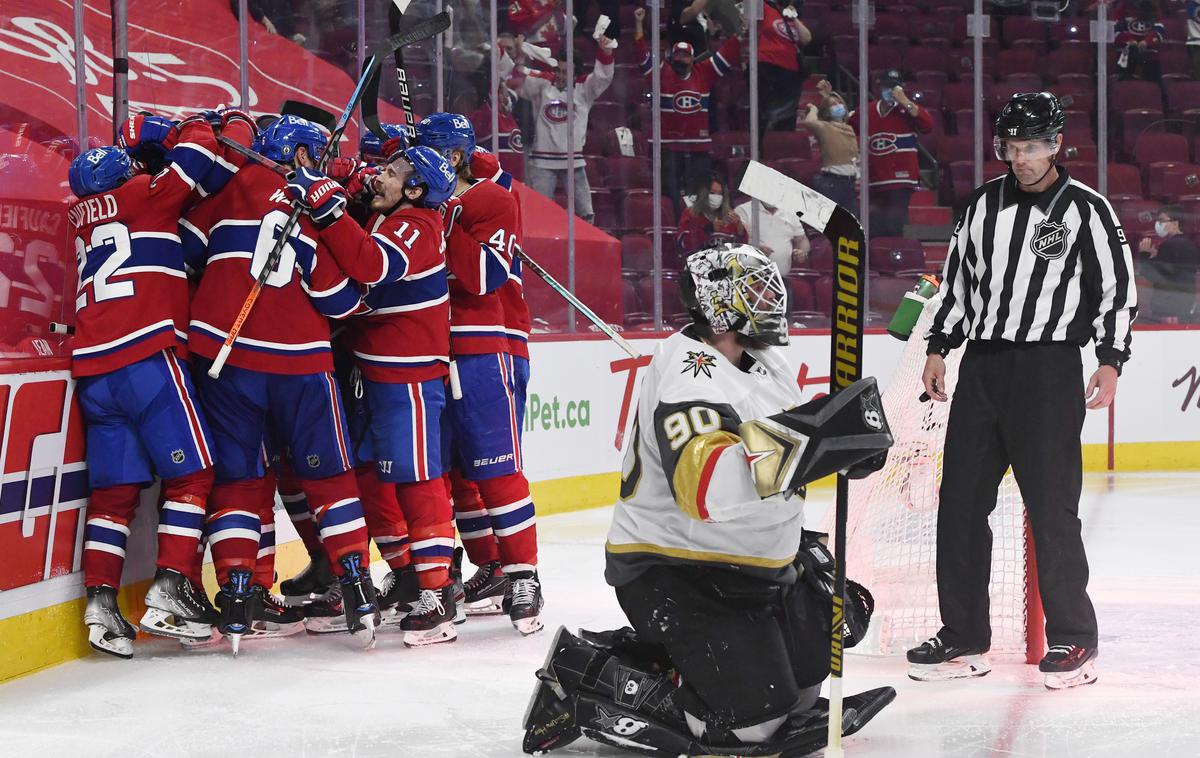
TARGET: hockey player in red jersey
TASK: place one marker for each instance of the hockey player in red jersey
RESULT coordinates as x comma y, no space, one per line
401,349
135,392
484,422
279,375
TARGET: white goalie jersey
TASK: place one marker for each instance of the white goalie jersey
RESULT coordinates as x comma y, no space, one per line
687,494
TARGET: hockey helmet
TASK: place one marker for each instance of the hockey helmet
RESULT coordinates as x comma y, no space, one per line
280,140
1033,117
736,288
446,132
370,145
432,172
100,170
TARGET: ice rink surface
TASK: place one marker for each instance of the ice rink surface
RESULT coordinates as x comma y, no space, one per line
318,696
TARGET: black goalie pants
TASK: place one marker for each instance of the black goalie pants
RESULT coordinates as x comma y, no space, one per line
1020,405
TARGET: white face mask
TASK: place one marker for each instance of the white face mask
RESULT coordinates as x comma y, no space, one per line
715,200
1160,228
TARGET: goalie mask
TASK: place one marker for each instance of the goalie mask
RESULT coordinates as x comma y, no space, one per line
736,288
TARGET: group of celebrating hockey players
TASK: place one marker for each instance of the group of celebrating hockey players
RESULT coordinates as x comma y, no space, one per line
377,384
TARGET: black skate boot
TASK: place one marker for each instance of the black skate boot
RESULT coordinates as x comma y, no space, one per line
272,618
310,584
934,661
484,592
236,602
326,615
358,599
398,594
108,631
460,593
174,609
432,619
1069,666
210,611
523,603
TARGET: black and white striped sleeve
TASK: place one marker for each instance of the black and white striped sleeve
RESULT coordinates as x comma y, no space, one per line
949,328
1111,272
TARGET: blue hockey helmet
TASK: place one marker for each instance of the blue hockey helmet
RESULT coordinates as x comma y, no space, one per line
446,132
100,170
280,140
370,146
433,172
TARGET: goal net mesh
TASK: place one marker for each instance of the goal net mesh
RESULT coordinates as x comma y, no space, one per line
892,528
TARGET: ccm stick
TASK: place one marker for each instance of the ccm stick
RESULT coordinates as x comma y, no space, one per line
416,33
845,362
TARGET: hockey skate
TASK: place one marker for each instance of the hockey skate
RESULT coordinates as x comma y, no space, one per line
484,592
236,602
214,637
523,603
273,618
933,661
397,595
313,583
326,615
173,608
432,619
1068,666
358,599
108,631
460,593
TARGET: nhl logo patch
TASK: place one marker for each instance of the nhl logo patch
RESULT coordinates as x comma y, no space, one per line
314,460
177,456
1049,240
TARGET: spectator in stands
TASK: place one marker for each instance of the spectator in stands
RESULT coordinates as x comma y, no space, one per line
709,216
1170,266
839,147
1139,32
684,24
275,15
780,235
686,93
510,142
540,22
781,40
546,92
892,125
1192,9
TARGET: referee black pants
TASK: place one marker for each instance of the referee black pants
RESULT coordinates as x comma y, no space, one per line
1020,405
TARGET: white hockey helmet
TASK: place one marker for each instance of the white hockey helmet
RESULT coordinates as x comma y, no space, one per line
735,287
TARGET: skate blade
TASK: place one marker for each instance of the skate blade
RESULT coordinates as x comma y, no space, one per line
235,641
528,626
444,632
492,606
293,601
213,640
104,642
270,629
326,625
460,612
163,623
366,633
966,667
1085,674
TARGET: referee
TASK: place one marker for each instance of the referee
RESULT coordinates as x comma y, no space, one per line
1038,266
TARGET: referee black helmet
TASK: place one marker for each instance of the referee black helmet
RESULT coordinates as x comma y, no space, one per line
1031,115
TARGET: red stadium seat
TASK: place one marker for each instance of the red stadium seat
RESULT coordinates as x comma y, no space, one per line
1070,31
731,144
1137,216
1124,182
923,58
628,173
888,290
1133,95
1069,60
800,169
605,116
1176,183
961,147
595,173
638,210
1027,82
1015,61
896,255
604,206
1183,97
637,253
801,298
1160,147
786,145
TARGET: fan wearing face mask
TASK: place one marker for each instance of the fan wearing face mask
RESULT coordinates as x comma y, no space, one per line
1171,263
709,216
839,147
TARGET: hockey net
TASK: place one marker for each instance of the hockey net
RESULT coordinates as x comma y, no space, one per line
892,528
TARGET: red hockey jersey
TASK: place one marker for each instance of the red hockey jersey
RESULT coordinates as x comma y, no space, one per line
892,142
404,336
230,235
778,39
479,253
512,292
132,296
685,102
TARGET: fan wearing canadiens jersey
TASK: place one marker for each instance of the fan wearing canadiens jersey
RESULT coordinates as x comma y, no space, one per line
401,348
279,374
135,392
484,423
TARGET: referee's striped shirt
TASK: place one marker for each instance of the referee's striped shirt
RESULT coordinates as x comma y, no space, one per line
1046,267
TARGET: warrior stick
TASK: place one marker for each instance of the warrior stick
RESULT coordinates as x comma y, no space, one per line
845,233
416,33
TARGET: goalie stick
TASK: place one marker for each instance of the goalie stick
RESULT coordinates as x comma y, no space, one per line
416,33
845,234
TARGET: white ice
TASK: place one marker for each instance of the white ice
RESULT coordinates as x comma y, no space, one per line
317,696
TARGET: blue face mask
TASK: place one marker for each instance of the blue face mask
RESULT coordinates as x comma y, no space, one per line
837,111
886,96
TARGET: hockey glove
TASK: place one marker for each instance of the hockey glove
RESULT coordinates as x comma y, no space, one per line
360,185
231,114
141,133
821,437
341,168
321,197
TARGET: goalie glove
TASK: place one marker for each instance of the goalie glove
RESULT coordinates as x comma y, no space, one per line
834,433
321,197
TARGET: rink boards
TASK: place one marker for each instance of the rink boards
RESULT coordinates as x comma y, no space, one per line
581,402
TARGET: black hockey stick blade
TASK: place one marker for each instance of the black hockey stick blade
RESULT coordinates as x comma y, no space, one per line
370,106
422,30
313,113
395,18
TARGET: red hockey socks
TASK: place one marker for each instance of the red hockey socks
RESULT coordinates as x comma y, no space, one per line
234,526
430,529
385,520
339,514
510,509
295,502
472,520
181,522
109,512
264,568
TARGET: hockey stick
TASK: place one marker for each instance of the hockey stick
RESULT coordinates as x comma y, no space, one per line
258,158
418,32
318,116
587,312
845,233
370,108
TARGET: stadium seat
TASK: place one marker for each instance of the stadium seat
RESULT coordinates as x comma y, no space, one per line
606,116
1015,61
800,169
923,58
628,173
595,172
1139,124
1137,216
1069,60
637,253
1175,183
637,210
820,254
1124,182
1135,95
1022,27
604,207
1183,97
888,290
896,255
1070,31
731,144
801,298
789,145
823,293
1160,147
